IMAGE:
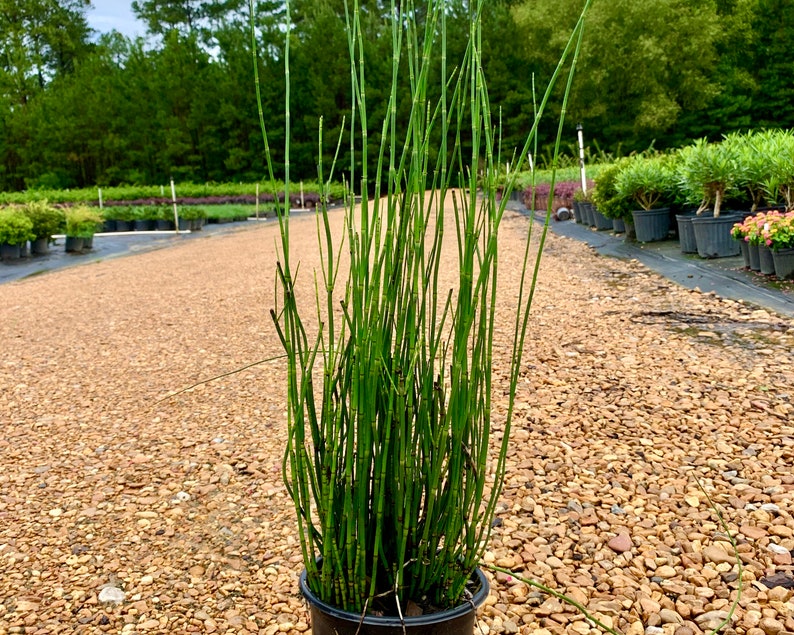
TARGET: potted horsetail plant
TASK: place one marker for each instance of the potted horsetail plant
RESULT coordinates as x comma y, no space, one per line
391,462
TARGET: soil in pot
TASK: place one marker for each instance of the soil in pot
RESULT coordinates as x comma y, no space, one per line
461,620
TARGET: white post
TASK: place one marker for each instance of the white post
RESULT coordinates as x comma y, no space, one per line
257,201
162,191
99,189
303,206
581,157
176,213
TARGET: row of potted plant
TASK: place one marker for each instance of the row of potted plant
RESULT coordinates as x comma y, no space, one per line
37,222
766,240
124,218
694,186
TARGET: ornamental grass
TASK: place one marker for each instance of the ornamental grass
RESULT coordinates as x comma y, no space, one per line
391,460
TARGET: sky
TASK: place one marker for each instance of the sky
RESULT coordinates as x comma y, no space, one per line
106,15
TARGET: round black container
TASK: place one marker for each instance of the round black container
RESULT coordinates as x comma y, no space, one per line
329,620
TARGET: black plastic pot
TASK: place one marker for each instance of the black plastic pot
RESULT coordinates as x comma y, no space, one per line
73,244
766,260
784,263
40,246
755,259
9,252
713,236
686,233
588,213
328,620
601,222
618,226
651,225
143,225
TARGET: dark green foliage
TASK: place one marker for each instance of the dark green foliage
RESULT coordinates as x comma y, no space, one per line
606,197
75,113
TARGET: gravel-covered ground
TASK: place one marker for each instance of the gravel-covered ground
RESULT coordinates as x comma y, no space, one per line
634,388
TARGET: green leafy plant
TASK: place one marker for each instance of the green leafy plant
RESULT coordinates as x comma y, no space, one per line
649,181
606,197
778,183
120,212
708,173
389,406
152,212
47,220
753,150
191,212
15,226
83,221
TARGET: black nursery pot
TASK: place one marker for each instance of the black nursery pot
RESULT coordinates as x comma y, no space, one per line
329,620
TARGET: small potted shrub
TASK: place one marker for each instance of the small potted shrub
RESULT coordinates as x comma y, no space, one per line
146,218
753,153
611,203
15,230
124,216
708,175
749,233
191,217
590,208
777,234
82,222
584,212
649,182
47,221
165,218
778,184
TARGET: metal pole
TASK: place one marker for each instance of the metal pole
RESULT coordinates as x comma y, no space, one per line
176,213
581,157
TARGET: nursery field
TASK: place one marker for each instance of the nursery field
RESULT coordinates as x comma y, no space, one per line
124,510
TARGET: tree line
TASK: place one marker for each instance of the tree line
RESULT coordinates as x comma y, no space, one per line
79,108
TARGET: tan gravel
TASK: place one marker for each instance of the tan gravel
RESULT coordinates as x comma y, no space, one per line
633,388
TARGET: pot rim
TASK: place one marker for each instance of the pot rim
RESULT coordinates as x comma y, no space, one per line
374,620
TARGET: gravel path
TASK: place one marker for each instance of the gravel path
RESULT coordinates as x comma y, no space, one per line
120,513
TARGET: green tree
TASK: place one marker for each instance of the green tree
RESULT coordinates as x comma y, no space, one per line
39,40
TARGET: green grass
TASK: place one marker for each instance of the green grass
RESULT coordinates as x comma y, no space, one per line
524,179
224,212
136,192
